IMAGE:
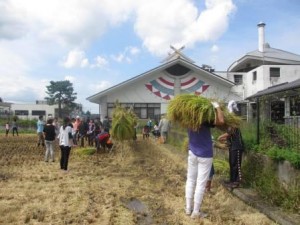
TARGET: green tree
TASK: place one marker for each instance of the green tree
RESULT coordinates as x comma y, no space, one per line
61,93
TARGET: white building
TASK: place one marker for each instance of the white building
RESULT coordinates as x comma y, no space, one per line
33,111
5,108
149,92
262,69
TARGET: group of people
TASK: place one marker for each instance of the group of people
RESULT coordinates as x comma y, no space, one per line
69,134
159,130
200,160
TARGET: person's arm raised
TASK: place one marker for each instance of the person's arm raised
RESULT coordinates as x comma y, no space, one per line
219,116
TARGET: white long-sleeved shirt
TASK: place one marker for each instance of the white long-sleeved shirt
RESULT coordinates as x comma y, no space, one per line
64,136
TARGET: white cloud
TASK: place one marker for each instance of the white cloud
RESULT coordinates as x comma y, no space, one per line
214,48
15,80
100,86
34,33
70,78
119,58
126,55
134,50
100,62
11,24
158,23
161,23
75,58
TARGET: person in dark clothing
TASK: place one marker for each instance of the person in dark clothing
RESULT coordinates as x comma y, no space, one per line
233,137
49,133
98,125
235,143
91,132
106,123
82,131
15,127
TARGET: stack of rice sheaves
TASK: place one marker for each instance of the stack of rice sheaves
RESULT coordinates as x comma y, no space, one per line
123,122
191,111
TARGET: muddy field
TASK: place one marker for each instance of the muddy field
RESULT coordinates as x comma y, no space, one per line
142,184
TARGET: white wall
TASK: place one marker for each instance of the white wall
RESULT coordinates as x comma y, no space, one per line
137,92
288,73
50,109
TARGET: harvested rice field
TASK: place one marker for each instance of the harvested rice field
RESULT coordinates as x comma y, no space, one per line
137,183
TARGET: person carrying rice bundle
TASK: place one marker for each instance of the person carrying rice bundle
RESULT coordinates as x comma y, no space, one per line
198,115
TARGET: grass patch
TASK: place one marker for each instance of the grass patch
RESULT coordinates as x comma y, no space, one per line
85,151
262,176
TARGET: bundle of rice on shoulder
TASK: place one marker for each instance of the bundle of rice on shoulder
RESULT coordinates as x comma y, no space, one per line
190,111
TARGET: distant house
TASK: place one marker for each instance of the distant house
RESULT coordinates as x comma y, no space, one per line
33,111
5,109
257,70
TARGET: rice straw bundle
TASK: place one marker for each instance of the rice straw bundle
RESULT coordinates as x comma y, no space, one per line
123,123
190,111
230,118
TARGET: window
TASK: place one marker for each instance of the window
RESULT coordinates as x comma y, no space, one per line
142,110
144,113
21,112
38,112
254,76
238,79
274,72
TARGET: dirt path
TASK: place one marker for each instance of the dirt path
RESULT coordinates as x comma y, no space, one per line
142,186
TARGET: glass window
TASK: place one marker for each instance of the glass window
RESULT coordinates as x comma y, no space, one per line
142,110
144,113
137,112
274,72
254,75
151,113
38,112
21,112
154,105
140,105
238,79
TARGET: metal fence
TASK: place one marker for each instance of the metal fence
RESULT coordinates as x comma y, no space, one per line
285,135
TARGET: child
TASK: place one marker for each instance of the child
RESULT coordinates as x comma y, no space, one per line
156,132
6,129
146,132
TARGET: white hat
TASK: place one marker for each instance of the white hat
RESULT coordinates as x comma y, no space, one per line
77,117
232,106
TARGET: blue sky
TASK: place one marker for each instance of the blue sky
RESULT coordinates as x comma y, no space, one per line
99,43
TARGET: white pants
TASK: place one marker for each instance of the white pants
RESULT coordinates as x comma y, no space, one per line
197,175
